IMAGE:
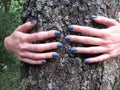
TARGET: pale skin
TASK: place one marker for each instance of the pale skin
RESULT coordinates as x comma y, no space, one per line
107,42
20,44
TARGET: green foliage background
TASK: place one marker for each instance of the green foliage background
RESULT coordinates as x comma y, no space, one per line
10,13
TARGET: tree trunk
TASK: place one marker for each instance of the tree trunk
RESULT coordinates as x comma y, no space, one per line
68,72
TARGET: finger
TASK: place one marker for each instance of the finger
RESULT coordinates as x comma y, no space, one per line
105,21
85,40
39,56
89,50
98,58
42,35
87,30
33,62
42,47
27,26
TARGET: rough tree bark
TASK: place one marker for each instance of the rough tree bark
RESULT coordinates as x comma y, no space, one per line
68,72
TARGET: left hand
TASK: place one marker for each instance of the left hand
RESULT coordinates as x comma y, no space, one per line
105,41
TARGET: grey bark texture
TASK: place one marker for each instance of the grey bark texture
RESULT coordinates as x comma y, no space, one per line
68,72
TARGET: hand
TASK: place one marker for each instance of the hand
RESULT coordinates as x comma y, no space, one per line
20,44
106,42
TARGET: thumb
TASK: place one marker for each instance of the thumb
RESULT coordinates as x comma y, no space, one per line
27,26
105,21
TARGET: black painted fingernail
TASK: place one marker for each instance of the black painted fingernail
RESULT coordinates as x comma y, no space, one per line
59,45
94,16
57,33
70,27
73,50
55,55
67,38
33,21
44,62
86,61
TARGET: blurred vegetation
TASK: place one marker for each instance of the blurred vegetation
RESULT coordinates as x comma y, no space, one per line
10,13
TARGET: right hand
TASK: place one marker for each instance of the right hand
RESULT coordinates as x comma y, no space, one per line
20,44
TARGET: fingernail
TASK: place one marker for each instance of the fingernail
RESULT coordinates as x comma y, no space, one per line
33,21
86,61
73,50
59,45
94,16
70,27
44,62
55,55
67,38
57,33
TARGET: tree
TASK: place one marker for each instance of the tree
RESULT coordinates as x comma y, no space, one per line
69,72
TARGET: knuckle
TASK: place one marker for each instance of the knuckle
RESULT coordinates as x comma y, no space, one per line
50,33
21,47
47,34
41,57
107,42
34,56
104,34
52,46
104,42
37,36
45,56
92,51
40,48
107,49
22,38
108,35
48,56
110,47
111,55
88,41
